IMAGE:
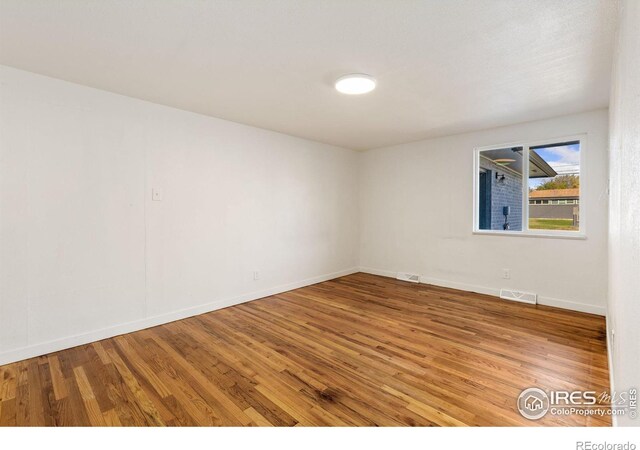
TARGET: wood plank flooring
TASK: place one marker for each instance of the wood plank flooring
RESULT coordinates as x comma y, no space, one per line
358,350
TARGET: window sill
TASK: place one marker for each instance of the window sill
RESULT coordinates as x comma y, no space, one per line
575,235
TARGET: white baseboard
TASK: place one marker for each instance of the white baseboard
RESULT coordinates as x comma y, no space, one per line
382,273
461,286
614,418
573,306
43,348
542,300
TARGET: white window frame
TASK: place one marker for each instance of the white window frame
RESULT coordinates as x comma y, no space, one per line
526,232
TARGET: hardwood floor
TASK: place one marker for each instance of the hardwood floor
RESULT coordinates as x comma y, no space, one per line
358,350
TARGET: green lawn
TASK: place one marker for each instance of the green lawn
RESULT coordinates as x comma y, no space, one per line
552,224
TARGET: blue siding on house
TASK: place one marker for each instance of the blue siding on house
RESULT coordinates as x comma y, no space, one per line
506,193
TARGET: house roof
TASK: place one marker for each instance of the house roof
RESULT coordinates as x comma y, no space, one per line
555,193
538,167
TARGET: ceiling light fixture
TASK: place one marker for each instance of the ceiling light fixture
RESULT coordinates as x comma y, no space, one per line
355,84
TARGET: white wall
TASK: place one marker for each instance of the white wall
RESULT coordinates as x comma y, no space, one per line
85,253
624,225
416,216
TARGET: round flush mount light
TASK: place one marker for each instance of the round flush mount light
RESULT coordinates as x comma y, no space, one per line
355,84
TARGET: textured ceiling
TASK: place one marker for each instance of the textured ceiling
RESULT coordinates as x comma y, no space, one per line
442,67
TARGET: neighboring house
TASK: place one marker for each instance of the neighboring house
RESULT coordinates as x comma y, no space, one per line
554,203
501,183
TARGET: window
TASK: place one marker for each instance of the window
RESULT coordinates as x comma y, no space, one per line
529,188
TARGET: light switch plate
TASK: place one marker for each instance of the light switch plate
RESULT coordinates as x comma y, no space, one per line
156,194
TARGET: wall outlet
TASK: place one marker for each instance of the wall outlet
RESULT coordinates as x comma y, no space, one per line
613,340
156,194
506,274
256,275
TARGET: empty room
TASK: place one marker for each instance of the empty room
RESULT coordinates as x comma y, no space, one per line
321,214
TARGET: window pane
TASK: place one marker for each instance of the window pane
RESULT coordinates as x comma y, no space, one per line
500,189
554,178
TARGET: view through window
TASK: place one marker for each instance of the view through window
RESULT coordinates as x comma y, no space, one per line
547,199
554,202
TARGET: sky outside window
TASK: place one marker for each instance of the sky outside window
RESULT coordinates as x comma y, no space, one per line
565,160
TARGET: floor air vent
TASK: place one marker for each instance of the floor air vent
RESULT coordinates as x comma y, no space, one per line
411,277
519,296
